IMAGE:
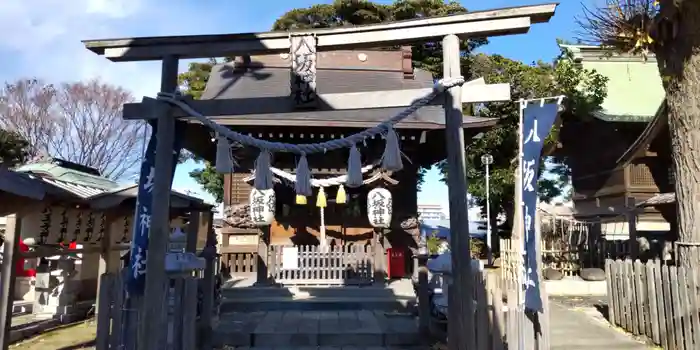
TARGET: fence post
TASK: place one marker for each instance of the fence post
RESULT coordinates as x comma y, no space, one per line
611,291
668,308
653,311
685,310
694,303
641,296
117,314
632,228
104,317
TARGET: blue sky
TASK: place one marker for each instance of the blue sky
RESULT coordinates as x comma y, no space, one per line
44,42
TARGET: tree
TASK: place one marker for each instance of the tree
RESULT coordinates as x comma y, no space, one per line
669,29
584,91
427,56
80,122
13,149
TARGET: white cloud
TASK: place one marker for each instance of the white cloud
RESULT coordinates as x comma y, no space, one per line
44,41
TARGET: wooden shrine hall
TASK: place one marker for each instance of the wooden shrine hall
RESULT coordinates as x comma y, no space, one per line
303,102
257,79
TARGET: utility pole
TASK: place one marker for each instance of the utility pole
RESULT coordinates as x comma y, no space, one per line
487,160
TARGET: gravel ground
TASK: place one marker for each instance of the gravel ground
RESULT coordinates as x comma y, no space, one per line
73,337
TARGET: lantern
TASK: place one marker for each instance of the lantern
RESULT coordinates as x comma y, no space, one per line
262,206
379,207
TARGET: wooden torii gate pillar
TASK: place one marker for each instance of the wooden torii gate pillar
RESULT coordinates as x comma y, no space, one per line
451,28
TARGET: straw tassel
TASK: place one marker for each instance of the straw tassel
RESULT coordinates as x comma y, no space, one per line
321,198
301,200
391,160
224,162
302,186
263,174
354,176
341,197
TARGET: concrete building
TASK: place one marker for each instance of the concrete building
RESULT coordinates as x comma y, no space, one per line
431,212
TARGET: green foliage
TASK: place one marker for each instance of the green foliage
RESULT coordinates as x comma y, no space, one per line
584,89
432,242
14,150
211,181
341,13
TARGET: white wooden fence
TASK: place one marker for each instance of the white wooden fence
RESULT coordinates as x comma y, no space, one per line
315,265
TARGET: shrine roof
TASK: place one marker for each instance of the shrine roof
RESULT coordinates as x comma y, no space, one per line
651,131
256,89
118,196
634,87
40,186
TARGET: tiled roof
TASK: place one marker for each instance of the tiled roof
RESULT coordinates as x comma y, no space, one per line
81,191
634,87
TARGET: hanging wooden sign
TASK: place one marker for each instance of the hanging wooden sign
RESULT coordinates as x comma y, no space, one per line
379,207
262,206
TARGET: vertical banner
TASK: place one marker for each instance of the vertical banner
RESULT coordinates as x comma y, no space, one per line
136,279
537,120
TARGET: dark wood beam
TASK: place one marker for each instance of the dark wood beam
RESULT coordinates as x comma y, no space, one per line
474,91
505,21
235,112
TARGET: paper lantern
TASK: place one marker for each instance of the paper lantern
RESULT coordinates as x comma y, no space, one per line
262,206
379,207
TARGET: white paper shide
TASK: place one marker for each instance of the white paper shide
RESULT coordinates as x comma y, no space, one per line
262,206
379,207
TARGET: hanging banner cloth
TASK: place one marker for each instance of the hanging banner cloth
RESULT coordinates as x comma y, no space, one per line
136,279
537,120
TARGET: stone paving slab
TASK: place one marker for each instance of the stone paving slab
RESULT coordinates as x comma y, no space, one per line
337,348
344,328
580,328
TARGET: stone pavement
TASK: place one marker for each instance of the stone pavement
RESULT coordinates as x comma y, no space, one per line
584,328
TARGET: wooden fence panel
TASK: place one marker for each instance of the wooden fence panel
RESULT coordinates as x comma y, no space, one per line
653,305
685,306
117,311
104,311
694,301
332,265
676,307
643,306
655,300
668,306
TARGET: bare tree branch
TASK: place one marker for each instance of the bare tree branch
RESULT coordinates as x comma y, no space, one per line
79,122
27,107
623,25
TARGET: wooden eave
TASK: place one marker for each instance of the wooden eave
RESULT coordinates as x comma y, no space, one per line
21,184
116,198
334,110
646,137
505,21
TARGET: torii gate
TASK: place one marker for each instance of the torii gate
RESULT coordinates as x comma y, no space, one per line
450,29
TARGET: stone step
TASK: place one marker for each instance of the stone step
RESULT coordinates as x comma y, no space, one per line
363,328
335,292
400,304
415,347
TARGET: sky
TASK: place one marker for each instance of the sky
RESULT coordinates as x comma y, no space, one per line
42,39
